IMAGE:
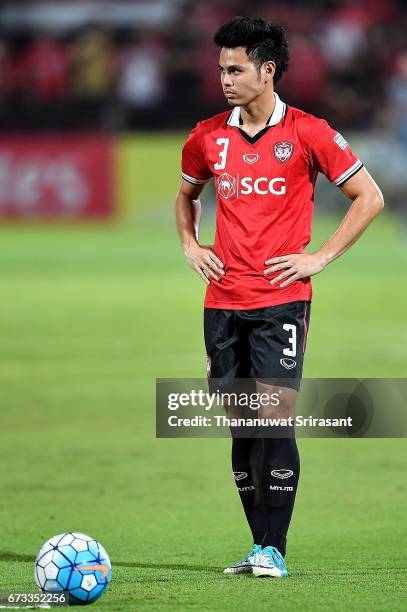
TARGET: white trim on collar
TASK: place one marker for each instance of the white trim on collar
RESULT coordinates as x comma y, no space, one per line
277,115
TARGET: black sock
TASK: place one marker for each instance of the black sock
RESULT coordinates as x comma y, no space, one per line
246,461
280,474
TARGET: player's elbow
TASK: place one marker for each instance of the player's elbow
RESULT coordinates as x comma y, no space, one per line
370,193
374,200
378,202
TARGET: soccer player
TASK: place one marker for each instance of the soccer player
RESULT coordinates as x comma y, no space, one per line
264,158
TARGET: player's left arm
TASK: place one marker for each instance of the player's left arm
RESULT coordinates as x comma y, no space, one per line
367,202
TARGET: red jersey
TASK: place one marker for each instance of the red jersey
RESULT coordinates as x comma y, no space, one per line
265,192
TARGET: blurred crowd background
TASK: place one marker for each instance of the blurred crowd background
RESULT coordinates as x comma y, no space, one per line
120,67
151,64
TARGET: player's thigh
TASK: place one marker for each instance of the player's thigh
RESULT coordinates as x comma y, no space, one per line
277,401
278,341
227,348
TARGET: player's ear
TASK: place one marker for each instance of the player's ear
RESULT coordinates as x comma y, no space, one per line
270,70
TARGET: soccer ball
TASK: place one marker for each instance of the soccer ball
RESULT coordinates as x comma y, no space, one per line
76,563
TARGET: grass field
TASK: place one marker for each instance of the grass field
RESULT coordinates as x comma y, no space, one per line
90,316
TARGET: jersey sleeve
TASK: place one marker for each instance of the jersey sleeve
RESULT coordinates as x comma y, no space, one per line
331,153
195,169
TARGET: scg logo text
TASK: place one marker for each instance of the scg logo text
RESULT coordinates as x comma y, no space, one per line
228,186
262,186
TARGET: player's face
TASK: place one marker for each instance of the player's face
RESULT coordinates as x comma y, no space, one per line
241,82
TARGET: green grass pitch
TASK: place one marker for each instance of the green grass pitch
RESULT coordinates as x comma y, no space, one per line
90,316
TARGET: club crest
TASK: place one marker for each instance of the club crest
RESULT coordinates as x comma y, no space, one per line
283,151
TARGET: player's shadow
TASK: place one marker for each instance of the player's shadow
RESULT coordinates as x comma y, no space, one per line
10,556
173,566
300,573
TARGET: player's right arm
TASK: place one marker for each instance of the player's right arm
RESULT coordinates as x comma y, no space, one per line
195,174
201,258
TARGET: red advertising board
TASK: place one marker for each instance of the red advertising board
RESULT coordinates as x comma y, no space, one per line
56,177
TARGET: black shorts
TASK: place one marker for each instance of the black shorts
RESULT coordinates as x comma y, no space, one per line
264,343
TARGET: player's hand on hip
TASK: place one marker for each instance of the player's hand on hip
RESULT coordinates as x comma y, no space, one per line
294,266
203,260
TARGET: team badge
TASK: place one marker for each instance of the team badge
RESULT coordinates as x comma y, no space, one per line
283,151
251,158
226,185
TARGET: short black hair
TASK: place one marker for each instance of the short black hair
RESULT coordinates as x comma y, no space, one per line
264,41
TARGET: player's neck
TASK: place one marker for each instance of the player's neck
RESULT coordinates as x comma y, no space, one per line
255,116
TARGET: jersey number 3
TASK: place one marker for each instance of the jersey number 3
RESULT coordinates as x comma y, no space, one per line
292,340
224,143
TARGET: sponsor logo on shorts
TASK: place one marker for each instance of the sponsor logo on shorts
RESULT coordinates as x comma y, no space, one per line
251,488
239,475
288,364
282,473
277,488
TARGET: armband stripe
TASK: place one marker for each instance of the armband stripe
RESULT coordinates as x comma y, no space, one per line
350,172
193,180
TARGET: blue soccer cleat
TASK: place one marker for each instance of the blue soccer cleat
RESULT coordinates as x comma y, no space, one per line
245,566
269,562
